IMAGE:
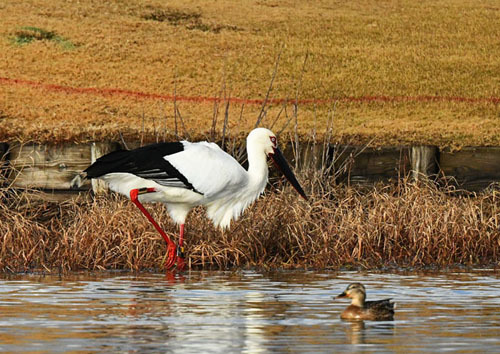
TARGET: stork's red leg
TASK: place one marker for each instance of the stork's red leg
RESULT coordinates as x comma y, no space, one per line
171,248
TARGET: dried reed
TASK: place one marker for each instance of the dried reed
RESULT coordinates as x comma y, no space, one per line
401,225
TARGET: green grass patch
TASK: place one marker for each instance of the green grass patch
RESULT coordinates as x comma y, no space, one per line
29,34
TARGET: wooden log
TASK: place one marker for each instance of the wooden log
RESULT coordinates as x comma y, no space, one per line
473,168
47,167
368,165
424,162
309,156
51,167
97,150
3,150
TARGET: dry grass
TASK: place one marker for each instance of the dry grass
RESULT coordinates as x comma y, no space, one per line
400,225
357,48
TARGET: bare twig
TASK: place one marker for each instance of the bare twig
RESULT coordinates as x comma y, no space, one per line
184,129
263,110
175,112
123,141
143,127
296,109
225,127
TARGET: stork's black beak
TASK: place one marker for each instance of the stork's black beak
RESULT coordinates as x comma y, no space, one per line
282,165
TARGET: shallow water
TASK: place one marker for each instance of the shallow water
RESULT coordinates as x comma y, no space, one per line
246,311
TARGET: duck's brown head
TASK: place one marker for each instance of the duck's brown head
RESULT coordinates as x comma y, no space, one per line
356,292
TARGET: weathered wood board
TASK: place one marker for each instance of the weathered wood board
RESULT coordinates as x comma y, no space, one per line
50,167
424,162
473,168
310,155
367,165
353,163
3,150
97,150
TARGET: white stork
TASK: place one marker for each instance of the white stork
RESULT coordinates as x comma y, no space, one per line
183,175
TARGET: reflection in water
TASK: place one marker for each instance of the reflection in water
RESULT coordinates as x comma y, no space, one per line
246,312
356,331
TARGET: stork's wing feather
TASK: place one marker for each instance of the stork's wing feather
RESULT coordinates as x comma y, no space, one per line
209,169
147,162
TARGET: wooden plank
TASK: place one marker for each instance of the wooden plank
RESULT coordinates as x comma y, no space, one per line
48,167
3,150
424,162
45,167
473,168
53,167
97,150
368,165
310,156
356,164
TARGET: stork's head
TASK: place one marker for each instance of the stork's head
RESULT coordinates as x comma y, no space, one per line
265,139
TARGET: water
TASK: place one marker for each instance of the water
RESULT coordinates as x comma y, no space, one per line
246,312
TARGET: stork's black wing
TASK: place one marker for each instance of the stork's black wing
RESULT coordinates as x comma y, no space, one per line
147,162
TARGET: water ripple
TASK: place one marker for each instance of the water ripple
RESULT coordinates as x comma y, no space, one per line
247,312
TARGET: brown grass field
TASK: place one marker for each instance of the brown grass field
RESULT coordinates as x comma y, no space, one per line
389,72
397,72
399,225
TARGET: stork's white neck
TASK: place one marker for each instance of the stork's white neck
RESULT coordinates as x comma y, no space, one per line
257,168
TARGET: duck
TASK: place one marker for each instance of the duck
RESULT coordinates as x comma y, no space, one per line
359,309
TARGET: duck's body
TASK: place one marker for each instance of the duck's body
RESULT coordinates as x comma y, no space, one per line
381,310
359,309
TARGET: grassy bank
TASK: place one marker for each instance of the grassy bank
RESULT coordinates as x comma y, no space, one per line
398,225
345,52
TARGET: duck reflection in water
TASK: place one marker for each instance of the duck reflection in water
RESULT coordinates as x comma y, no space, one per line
359,309
359,332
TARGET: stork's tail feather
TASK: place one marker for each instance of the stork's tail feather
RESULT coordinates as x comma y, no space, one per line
77,181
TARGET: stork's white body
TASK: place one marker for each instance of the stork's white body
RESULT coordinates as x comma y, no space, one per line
226,188
183,175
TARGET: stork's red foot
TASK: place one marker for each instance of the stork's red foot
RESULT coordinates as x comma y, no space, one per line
181,264
171,255
175,254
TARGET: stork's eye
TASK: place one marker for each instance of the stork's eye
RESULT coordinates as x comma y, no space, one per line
273,139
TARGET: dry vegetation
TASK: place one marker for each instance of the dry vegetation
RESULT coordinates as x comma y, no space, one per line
444,48
385,226
406,51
